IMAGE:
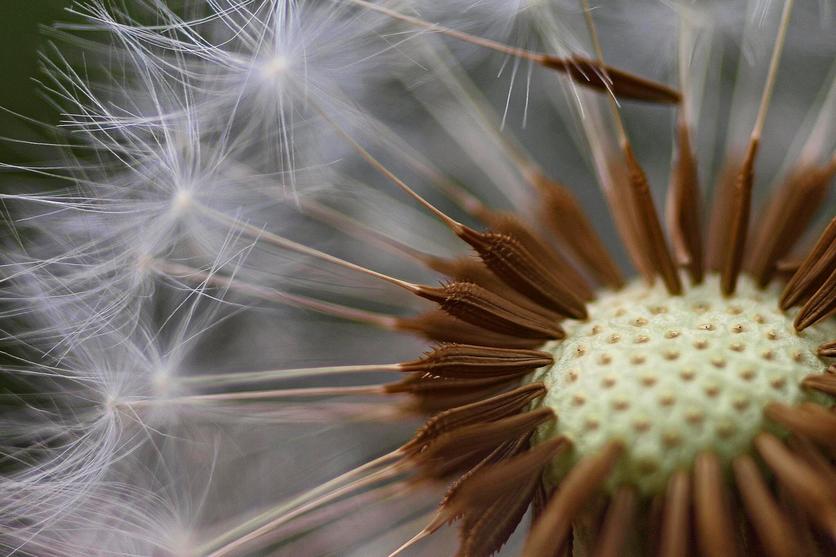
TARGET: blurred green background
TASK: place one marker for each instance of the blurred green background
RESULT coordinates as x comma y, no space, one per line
20,39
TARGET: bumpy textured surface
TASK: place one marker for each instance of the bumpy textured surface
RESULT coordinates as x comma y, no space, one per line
670,376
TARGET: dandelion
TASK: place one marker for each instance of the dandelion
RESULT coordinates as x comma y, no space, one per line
304,287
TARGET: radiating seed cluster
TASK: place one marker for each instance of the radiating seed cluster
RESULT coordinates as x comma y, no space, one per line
671,376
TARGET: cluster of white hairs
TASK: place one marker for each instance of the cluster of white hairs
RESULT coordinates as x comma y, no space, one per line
170,275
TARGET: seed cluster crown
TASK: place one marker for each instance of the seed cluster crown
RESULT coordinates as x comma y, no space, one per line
671,376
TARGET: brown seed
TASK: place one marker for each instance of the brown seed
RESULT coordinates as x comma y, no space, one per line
476,305
593,74
804,484
564,215
787,214
511,225
519,269
775,533
827,350
492,501
552,531
473,269
617,523
714,521
820,306
456,451
720,213
683,207
814,270
440,326
433,394
648,224
675,531
467,361
825,383
810,420
738,223
487,410
480,489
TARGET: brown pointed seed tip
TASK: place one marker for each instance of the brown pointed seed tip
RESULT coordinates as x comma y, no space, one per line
473,304
456,451
809,420
493,500
771,526
465,269
625,217
440,326
473,269
684,207
805,486
481,488
675,521
449,504
483,534
820,306
787,266
787,214
503,222
509,259
433,394
738,224
623,85
562,212
827,349
714,520
825,383
553,529
471,518
617,523
720,212
816,266
489,409
811,455
467,361
648,225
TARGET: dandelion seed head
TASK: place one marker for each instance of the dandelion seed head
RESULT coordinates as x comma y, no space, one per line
242,174
672,376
